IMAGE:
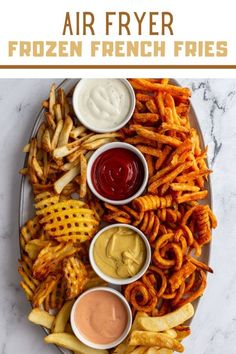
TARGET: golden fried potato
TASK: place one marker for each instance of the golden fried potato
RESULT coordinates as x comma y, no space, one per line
41,317
152,339
50,257
69,341
62,317
164,323
76,277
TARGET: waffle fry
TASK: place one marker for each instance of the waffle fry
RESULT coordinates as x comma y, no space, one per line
49,259
75,276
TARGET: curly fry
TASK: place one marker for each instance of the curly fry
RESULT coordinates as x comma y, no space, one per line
197,293
152,202
178,277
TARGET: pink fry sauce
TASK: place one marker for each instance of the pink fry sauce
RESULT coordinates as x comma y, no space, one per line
101,317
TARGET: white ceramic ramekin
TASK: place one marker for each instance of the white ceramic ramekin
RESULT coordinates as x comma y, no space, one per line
118,340
114,145
97,129
106,277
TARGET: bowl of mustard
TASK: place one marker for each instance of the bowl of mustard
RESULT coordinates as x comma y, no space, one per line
120,254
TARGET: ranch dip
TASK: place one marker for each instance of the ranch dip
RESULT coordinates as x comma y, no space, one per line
102,103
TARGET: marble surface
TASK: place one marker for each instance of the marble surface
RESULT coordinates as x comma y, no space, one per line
214,325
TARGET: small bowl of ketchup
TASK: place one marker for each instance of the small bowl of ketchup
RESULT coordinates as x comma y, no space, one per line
101,318
117,173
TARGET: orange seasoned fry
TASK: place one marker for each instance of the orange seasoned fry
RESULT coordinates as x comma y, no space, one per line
149,151
152,202
192,196
169,177
143,97
192,176
178,277
184,187
173,90
175,127
193,296
140,140
146,117
160,138
200,264
151,106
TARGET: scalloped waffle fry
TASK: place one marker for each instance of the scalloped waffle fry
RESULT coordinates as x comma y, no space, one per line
29,231
49,258
76,277
60,206
46,203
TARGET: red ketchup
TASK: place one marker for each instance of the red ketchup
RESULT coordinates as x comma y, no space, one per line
117,174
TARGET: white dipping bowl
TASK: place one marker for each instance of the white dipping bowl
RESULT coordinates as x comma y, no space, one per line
82,118
124,281
114,145
118,340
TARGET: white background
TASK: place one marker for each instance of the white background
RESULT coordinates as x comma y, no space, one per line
43,20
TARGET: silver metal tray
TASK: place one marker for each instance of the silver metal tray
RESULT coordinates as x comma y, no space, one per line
26,209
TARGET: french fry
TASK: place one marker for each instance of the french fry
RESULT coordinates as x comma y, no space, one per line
23,171
151,106
139,350
83,173
192,196
182,332
46,141
66,178
65,132
159,351
26,148
93,145
78,131
164,323
175,127
41,317
69,341
68,328
171,332
172,89
69,149
121,348
37,168
169,177
152,339
57,112
56,134
52,98
62,317
160,138
146,117
180,187
192,176
149,151
50,120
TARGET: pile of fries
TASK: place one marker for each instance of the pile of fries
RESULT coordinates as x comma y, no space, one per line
54,264
157,335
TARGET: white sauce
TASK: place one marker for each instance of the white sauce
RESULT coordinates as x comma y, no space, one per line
103,103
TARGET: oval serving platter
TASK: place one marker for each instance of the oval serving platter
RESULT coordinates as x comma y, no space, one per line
26,203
